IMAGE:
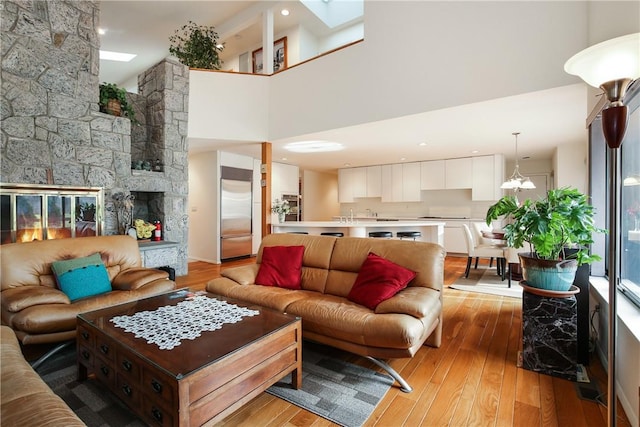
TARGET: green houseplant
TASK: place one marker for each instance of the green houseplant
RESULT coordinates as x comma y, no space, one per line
558,229
196,46
113,100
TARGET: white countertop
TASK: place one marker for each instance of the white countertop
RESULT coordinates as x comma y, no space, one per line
359,223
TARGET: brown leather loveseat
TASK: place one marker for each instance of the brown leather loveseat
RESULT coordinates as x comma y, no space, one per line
39,312
397,327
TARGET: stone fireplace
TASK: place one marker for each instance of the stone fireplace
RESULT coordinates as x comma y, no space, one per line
53,133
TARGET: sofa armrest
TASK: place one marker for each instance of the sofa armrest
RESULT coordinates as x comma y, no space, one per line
415,301
244,275
134,278
16,299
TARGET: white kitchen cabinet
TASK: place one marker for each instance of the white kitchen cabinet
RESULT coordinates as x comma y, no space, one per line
401,182
411,182
285,179
488,174
458,173
391,183
374,181
359,182
432,175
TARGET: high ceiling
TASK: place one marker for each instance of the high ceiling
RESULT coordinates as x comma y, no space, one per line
545,119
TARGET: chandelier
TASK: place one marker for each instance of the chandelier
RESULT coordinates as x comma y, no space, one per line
516,181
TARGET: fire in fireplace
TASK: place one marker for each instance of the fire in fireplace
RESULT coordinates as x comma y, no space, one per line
38,212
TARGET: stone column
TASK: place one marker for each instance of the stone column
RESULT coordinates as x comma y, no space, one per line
166,88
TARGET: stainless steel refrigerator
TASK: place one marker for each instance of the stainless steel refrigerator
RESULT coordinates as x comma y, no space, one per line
235,212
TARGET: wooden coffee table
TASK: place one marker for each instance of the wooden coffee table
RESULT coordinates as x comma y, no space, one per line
198,382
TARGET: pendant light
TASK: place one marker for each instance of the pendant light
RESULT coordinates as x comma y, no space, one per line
516,181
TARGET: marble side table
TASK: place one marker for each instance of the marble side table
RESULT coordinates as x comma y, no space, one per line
549,332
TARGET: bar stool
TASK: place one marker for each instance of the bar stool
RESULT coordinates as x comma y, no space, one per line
408,234
381,234
332,233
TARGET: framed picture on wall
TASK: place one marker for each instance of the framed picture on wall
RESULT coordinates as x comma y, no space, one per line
279,57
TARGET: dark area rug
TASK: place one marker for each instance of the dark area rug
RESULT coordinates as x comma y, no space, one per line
334,389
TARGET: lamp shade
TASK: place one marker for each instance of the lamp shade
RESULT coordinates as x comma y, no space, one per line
610,60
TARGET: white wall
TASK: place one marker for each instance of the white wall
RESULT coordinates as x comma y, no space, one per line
319,196
227,106
401,41
204,194
571,166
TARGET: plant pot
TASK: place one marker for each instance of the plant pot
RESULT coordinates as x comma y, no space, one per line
554,275
113,107
281,218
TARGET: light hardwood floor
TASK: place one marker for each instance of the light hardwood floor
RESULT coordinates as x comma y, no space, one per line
471,380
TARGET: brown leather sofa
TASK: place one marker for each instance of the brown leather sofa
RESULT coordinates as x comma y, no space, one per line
397,328
25,400
39,313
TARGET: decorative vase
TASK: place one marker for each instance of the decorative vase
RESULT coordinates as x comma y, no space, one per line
554,275
281,218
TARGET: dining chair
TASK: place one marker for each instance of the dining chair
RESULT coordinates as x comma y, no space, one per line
478,250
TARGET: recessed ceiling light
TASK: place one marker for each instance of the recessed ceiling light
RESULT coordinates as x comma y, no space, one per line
116,56
347,164
402,159
474,151
102,31
283,158
313,146
284,12
422,144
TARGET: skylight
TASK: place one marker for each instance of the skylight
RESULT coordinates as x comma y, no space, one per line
116,56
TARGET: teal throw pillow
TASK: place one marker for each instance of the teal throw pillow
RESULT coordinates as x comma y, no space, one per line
82,277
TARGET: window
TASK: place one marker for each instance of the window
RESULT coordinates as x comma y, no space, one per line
630,205
629,215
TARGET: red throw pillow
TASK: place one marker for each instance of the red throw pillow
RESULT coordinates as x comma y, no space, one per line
379,279
281,266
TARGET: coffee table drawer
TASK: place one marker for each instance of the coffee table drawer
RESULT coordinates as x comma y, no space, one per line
105,372
128,391
158,387
85,356
86,337
105,348
156,414
128,366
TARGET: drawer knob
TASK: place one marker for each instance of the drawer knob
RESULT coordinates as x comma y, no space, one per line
157,387
126,365
104,348
127,390
85,354
156,414
85,335
104,370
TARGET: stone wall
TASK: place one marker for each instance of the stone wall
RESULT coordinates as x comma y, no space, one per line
51,120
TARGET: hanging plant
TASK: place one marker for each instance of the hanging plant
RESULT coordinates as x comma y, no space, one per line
196,46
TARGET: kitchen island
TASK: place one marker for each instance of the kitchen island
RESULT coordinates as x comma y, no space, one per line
432,231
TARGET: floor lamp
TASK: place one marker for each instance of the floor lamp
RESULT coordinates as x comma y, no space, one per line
612,66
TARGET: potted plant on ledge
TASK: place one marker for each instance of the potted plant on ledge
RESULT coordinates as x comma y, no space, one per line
113,100
558,229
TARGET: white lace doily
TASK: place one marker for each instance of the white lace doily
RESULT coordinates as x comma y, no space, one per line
167,326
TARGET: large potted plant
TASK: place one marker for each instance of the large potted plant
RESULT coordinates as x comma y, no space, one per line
113,100
196,46
558,229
